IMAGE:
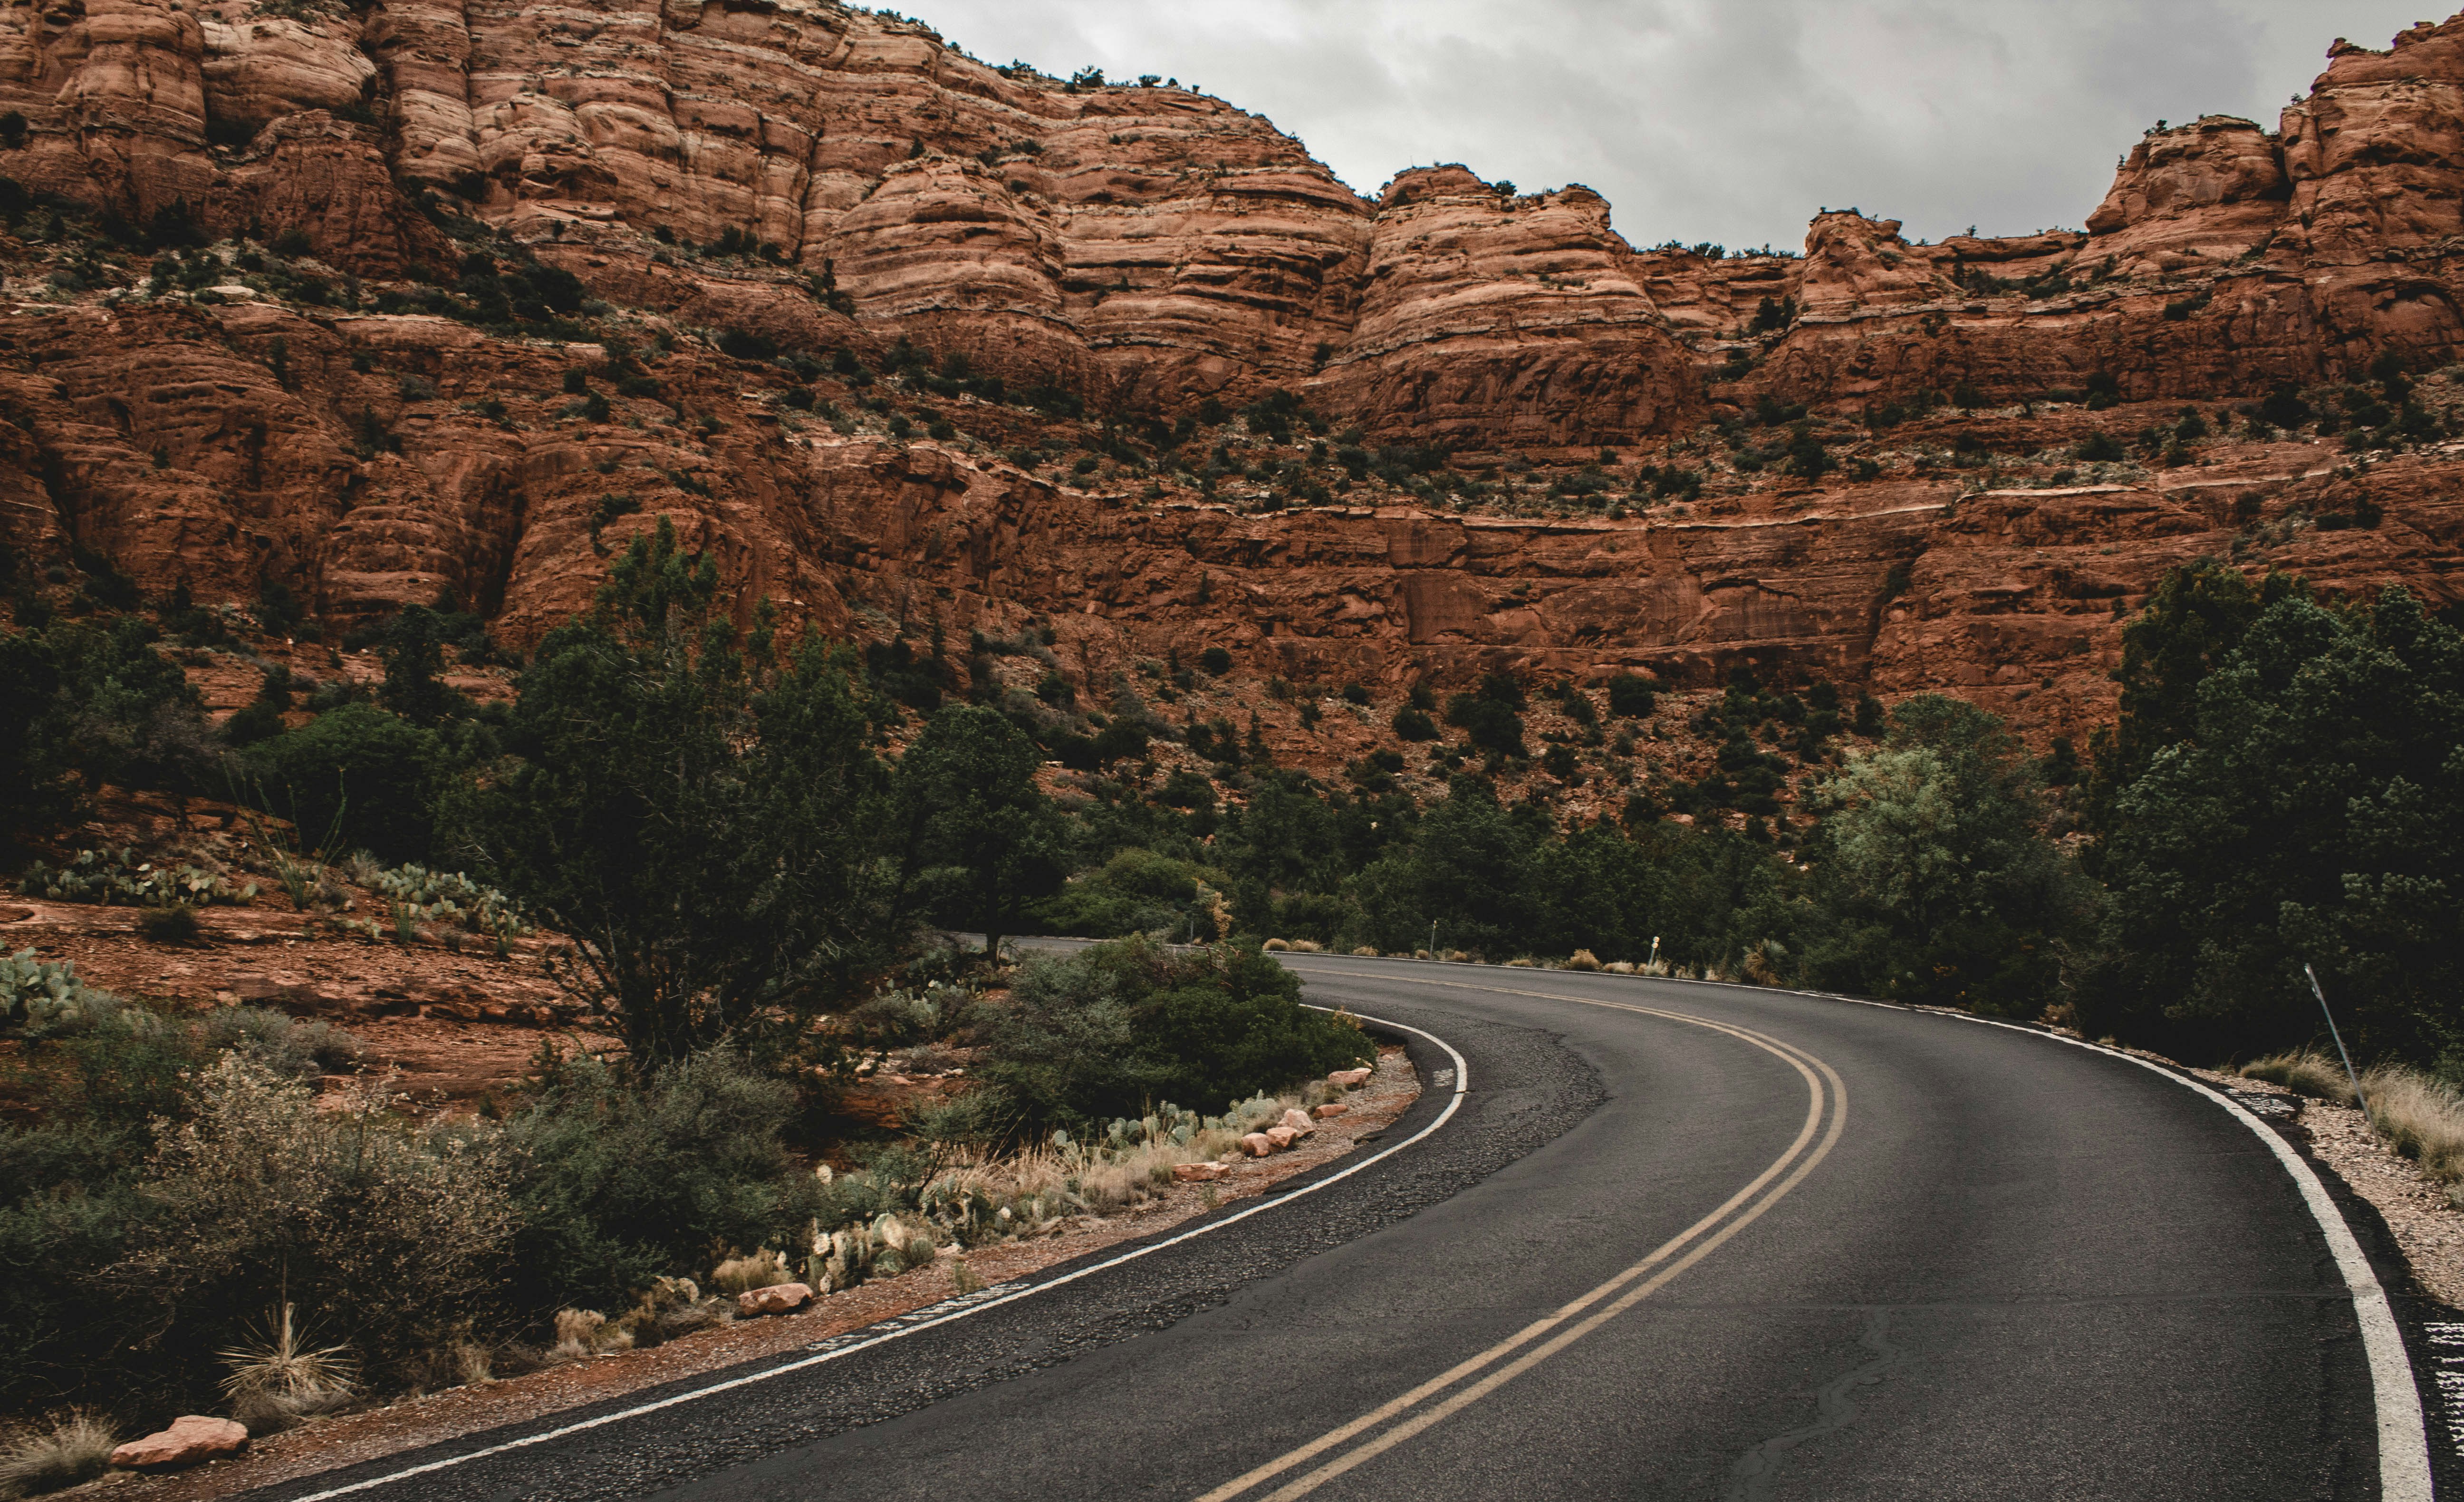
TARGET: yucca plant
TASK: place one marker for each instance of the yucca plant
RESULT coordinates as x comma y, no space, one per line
280,1372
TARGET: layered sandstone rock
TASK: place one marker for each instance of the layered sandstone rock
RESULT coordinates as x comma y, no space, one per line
836,181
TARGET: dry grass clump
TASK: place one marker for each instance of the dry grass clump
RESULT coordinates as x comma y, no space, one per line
1308,946
1367,951
744,1274
1274,946
576,1333
75,1448
1763,963
1583,960
279,1379
2304,1071
671,1307
1523,963
1619,967
2420,1116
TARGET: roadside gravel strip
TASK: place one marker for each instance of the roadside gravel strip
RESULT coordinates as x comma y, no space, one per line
1678,1241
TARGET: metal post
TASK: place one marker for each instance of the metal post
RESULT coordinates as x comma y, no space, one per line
1433,940
1654,953
2338,1036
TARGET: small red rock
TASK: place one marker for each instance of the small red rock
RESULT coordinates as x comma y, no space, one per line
1197,1173
1330,1110
1256,1144
1299,1122
1282,1137
190,1438
1349,1079
778,1299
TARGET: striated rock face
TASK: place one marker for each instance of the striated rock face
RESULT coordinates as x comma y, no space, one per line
726,183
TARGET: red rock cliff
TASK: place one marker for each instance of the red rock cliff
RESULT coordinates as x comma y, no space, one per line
840,183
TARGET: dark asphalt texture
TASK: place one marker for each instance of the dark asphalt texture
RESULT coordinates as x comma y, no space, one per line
2027,1270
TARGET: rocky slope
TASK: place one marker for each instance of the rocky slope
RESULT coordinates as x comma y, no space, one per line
374,303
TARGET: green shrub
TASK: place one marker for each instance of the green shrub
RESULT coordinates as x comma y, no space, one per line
392,1236
1630,695
1102,1032
1135,892
358,778
619,1180
172,925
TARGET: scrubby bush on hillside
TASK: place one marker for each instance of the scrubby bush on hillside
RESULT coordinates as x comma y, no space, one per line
394,1234
92,702
356,778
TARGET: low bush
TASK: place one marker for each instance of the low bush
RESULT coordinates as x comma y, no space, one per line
391,1233
1099,1033
617,1181
1137,891
355,777
172,925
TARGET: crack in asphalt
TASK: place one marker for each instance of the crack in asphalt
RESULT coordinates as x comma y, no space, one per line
1758,1469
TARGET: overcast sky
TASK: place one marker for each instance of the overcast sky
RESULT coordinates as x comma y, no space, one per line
1730,121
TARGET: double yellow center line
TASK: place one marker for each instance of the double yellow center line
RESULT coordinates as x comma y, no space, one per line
1440,1397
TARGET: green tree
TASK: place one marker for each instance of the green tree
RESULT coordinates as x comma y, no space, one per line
699,815
2194,617
1469,865
983,841
413,655
355,778
1930,867
94,699
2310,810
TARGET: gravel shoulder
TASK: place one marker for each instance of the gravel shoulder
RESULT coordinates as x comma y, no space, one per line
2426,1226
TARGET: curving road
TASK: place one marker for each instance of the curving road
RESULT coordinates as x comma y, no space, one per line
1675,1241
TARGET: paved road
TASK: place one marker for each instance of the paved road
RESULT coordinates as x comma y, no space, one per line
1701,1243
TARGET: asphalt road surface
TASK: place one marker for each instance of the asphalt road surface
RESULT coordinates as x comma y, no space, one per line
1673,1240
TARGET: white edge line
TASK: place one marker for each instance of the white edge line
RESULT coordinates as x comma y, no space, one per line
2404,1439
1454,1101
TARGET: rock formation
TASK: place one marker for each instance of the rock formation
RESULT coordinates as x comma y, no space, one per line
379,302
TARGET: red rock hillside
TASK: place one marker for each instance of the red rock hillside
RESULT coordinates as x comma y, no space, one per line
377,300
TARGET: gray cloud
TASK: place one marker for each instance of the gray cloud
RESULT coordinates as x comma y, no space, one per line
1730,121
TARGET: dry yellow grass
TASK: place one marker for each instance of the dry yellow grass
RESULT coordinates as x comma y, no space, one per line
77,1447
2418,1115
2305,1071
741,1274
